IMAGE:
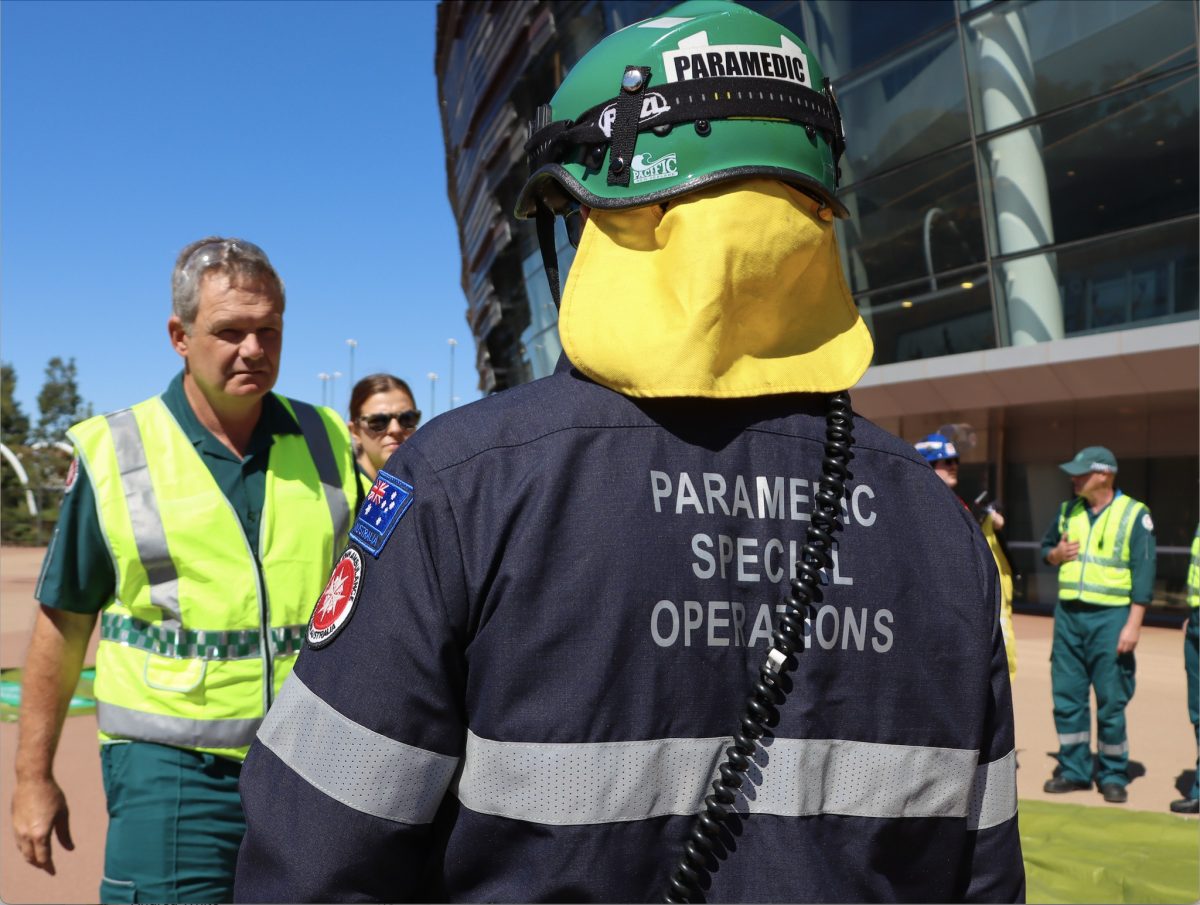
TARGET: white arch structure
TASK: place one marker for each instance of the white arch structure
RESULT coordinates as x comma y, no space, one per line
12,460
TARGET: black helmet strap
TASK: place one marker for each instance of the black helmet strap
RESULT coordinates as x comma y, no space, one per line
629,106
544,219
692,101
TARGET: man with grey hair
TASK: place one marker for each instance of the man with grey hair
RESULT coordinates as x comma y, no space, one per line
1102,543
199,526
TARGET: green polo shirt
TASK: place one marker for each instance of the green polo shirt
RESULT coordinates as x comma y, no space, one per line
1143,553
78,573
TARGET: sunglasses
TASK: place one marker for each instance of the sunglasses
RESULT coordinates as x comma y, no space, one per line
380,421
215,252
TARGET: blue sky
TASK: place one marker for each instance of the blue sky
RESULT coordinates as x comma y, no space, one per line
310,128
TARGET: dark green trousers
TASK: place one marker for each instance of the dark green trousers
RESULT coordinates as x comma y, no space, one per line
1191,663
174,824
1084,654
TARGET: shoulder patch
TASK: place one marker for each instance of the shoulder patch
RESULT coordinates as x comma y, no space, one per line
72,474
1147,522
387,501
336,602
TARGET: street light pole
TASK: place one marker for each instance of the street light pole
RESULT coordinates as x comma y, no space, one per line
353,344
333,396
452,342
432,397
324,378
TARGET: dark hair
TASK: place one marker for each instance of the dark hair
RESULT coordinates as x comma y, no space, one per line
372,384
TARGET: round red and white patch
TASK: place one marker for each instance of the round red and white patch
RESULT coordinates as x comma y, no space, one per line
336,603
72,475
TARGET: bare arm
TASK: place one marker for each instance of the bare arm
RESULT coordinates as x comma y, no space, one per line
52,670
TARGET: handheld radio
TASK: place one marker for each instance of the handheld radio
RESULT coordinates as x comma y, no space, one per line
768,693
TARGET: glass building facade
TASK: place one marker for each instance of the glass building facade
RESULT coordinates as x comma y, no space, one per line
1022,179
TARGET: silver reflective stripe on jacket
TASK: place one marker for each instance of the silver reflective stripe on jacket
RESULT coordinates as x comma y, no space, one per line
994,793
175,730
321,451
148,533
582,784
351,763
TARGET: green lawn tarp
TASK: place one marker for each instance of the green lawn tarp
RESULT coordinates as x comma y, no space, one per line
1079,853
83,700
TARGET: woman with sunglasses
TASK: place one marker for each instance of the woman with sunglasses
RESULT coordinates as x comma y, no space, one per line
382,416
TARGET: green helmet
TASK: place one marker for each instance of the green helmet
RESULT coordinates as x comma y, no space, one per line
710,91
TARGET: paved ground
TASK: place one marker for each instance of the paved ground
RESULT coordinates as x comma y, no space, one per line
1160,735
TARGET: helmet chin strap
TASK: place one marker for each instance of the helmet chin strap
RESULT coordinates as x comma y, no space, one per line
545,233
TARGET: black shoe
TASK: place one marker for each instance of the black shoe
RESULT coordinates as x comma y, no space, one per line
1057,785
1114,793
1186,806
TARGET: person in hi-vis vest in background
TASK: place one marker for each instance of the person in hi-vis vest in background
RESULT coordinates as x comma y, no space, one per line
942,455
1190,804
1102,542
198,526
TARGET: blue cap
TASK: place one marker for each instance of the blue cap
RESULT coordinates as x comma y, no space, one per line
937,447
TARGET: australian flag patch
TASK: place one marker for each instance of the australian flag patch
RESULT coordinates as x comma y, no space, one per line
387,501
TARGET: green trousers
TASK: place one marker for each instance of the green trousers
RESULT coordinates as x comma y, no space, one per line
1084,654
1191,663
174,824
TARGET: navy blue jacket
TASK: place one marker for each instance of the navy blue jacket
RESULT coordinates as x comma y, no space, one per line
530,685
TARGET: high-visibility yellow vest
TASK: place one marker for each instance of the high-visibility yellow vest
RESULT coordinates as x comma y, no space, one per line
1100,574
196,642
1006,594
1193,583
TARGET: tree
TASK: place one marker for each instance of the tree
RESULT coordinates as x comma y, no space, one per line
14,423
60,402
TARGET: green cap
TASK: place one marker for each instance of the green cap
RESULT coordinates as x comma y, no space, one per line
1091,458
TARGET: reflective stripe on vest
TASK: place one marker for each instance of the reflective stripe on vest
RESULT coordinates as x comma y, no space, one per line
148,531
205,638
1101,574
1193,579
180,643
317,439
608,782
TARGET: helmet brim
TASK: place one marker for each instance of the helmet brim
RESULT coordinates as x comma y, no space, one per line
555,185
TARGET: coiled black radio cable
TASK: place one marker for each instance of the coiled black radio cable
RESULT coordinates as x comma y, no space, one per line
768,694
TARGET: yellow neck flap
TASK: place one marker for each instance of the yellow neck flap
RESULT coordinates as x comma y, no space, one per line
729,292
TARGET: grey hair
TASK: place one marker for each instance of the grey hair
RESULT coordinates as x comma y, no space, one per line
241,261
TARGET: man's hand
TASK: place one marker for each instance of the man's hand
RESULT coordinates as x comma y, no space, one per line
51,673
39,807
1066,551
1132,630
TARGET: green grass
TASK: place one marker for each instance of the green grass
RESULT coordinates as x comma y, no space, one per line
1076,853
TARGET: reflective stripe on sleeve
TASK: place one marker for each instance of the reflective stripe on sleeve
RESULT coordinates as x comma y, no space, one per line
581,784
355,765
994,793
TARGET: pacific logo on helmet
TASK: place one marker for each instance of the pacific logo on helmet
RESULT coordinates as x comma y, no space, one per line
697,59
654,104
647,170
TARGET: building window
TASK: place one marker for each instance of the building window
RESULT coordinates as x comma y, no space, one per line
912,223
